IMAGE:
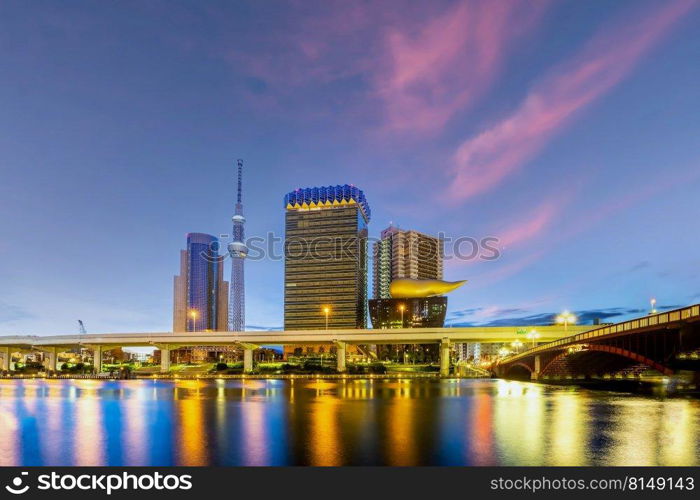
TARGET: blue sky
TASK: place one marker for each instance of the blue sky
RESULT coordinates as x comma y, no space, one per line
568,130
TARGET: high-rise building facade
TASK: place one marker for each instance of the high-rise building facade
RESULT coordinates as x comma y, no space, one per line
325,272
200,292
405,254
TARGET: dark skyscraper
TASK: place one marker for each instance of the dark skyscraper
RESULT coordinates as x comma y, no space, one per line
201,294
325,272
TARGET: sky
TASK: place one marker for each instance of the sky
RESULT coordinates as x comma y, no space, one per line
567,130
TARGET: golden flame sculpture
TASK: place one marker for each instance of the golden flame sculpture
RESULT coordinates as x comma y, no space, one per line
410,288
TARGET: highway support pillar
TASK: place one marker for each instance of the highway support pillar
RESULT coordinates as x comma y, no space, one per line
164,358
340,355
50,359
689,338
97,358
248,364
535,375
445,357
6,354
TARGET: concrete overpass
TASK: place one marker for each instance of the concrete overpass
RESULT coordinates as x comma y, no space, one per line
53,344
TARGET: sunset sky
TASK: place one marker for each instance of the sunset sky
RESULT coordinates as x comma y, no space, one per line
569,130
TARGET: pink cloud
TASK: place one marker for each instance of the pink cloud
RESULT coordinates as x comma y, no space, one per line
308,46
652,188
538,222
427,76
483,161
533,226
506,270
414,65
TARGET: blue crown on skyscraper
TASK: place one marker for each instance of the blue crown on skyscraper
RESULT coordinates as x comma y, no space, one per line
328,196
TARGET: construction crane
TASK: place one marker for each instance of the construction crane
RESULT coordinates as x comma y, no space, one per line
80,351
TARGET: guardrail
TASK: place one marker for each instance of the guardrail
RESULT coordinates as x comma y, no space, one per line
31,376
681,314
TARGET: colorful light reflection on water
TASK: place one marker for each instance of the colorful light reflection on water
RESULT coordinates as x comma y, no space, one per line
338,422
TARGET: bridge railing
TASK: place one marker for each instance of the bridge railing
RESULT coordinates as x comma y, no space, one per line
681,314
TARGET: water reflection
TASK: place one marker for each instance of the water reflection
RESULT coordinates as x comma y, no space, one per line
338,422
89,432
519,422
569,424
324,428
254,425
479,428
401,431
134,431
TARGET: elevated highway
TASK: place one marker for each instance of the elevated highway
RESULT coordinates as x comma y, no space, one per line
167,341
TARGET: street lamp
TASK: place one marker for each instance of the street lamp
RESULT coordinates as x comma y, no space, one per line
402,308
653,306
194,314
326,311
565,318
516,345
532,336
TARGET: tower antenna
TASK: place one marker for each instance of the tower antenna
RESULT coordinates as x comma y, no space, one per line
238,251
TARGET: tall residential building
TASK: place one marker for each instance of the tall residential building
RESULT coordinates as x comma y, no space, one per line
325,256
405,254
201,294
238,252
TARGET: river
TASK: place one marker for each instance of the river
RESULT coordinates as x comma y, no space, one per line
339,422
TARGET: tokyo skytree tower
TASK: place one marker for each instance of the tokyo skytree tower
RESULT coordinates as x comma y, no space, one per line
238,252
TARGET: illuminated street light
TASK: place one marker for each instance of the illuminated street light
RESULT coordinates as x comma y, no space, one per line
194,315
516,345
326,311
402,308
565,318
533,335
503,352
653,306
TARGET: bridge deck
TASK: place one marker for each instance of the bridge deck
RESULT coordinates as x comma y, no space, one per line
393,336
657,321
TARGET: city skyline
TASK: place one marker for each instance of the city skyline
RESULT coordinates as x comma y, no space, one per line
101,145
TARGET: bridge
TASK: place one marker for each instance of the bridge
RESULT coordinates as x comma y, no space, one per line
249,341
667,343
